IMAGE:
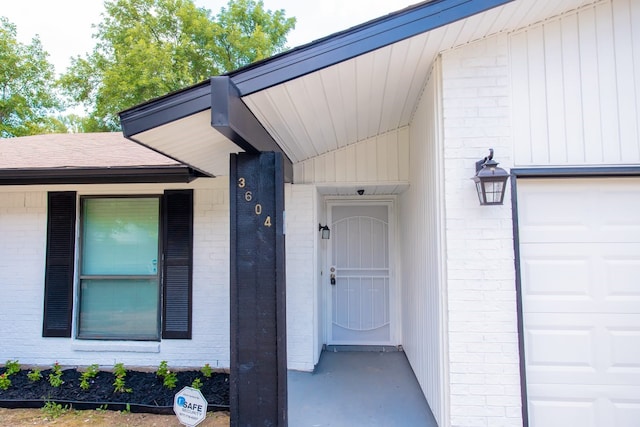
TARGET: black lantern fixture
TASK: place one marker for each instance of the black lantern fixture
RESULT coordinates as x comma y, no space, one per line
491,181
324,231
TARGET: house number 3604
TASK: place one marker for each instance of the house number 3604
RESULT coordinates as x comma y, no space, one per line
248,196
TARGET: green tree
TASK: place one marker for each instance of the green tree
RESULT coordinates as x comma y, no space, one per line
148,48
27,96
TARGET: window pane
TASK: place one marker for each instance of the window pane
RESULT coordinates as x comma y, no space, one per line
119,308
120,236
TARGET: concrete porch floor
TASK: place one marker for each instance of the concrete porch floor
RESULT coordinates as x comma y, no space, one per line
358,388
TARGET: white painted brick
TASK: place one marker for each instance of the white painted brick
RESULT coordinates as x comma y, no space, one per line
301,277
458,421
484,361
22,254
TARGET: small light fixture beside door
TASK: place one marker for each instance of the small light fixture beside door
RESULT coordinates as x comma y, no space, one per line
325,233
491,181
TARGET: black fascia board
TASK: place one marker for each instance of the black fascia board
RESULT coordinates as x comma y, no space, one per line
577,171
166,109
114,175
356,41
231,117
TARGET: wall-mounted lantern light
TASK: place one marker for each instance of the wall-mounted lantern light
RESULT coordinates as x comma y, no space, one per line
491,181
324,231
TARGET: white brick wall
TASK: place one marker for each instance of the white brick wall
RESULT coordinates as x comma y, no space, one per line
23,218
301,229
23,224
483,345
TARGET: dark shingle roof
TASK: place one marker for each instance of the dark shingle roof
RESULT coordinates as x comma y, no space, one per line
86,158
77,150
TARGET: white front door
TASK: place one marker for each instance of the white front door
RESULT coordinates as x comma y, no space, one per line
359,262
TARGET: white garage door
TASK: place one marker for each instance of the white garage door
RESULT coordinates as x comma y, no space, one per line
580,270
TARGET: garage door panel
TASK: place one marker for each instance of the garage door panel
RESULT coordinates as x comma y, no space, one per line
579,242
625,413
625,344
561,277
622,275
564,222
551,210
596,349
573,406
562,413
547,274
552,349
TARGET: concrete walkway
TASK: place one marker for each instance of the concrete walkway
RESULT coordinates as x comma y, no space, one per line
351,389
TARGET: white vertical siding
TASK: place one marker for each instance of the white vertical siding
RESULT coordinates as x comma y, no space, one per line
421,252
576,87
381,159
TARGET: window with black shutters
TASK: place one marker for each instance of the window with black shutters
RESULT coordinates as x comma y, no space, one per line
135,267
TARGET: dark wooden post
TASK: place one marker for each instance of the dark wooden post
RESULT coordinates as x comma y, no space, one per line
258,388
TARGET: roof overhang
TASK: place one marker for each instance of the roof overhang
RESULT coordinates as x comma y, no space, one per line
357,41
176,124
98,175
200,126
359,84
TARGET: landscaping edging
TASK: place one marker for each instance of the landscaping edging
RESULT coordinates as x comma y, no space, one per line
110,406
142,391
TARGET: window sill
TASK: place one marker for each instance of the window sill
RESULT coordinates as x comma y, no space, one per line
116,346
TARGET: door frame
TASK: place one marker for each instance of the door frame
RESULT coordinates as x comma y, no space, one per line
394,290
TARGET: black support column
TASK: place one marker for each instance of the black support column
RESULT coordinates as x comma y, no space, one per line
258,389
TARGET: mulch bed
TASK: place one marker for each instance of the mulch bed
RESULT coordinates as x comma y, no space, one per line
148,394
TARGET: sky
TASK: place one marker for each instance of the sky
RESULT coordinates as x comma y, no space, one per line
65,26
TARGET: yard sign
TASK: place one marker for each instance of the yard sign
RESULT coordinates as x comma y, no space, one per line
190,406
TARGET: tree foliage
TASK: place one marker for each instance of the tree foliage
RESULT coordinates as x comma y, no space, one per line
27,96
148,48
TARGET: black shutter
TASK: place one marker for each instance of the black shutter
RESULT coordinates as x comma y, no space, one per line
178,264
58,277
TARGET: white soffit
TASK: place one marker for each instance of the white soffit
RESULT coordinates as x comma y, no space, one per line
193,141
377,92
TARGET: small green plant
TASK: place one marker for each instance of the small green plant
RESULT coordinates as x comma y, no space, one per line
163,369
127,409
169,379
119,384
86,376
55,377
102,407
197,383
12,367
34,375
53,410
206,371
5,382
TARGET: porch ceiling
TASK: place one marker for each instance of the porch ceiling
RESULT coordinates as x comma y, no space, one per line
312,100
378,91
192,140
